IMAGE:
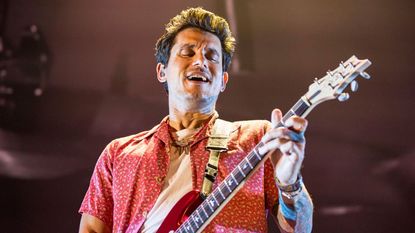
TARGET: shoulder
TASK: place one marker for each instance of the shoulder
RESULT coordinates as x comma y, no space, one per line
121,144
250,131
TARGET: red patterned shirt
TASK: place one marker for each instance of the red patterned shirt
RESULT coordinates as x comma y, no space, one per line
129,174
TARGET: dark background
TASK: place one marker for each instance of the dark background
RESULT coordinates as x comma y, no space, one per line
360,161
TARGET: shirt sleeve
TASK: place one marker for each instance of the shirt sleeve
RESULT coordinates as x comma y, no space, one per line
98,200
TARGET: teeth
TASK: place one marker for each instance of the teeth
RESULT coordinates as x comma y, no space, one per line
198,78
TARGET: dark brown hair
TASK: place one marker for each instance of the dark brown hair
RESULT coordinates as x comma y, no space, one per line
198,18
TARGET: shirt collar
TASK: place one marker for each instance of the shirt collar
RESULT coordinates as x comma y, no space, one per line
161,131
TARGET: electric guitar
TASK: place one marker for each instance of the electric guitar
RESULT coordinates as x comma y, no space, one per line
192,213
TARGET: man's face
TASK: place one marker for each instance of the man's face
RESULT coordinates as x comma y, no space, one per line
194,69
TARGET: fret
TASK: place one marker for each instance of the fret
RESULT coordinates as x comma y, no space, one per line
188,227
233,177
214,197
210,207
200,217
226,184
199,210
300,107
297,105
212,202
226,191
238,176
240,170
286,117
204,211
230,183
253,159
195,220
257,154
204,204
249,163
220,191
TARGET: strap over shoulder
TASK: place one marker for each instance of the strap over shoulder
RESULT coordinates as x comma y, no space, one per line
217,143
219,137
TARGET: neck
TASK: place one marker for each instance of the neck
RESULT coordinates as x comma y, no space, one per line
189,116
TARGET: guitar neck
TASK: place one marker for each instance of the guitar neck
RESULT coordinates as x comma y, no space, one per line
234,181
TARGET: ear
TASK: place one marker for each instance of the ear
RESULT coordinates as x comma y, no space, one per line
161,74
225,78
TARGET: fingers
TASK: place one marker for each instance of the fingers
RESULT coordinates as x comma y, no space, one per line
276,117
296,123
285,134
290,148
288,139
284,146
269,146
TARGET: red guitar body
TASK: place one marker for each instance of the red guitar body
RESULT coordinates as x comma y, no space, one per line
180,212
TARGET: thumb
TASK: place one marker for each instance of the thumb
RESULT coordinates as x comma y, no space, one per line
276,117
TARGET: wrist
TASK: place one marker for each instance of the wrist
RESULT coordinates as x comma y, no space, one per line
290,191
290,187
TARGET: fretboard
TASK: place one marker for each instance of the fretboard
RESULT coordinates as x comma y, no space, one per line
225,190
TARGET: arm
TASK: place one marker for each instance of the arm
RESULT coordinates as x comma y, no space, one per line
97,205
297,212
91,224
286,146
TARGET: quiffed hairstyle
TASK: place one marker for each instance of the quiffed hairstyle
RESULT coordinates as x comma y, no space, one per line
198,18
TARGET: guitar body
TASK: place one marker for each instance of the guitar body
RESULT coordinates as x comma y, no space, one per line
180,212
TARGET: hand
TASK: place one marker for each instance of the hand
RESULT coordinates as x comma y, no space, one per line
286,146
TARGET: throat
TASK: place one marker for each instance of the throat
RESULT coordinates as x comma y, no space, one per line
189,121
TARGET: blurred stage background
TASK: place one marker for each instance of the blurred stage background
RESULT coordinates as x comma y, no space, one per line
85,74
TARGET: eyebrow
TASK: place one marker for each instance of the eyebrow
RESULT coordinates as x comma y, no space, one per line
191,45
213,50
188,45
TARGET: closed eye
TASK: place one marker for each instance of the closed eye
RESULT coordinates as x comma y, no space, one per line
186,52
213,55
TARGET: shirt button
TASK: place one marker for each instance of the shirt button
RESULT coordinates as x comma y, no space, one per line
144,214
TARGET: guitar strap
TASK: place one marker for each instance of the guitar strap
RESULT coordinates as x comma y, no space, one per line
217,143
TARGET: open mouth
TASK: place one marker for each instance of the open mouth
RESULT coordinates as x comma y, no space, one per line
197,78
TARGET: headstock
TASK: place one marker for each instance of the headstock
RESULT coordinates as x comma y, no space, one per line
332,85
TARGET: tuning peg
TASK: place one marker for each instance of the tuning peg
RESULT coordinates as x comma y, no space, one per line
365,75
330,73
354,86
343,97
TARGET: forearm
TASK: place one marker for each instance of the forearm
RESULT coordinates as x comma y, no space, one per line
296,214
91,224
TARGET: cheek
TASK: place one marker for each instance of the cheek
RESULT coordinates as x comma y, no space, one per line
174,71
216,70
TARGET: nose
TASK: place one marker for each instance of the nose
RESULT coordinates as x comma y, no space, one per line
200,60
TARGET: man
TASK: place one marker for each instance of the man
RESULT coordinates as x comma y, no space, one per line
138,179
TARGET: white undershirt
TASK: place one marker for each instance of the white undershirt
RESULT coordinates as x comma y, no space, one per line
177,183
